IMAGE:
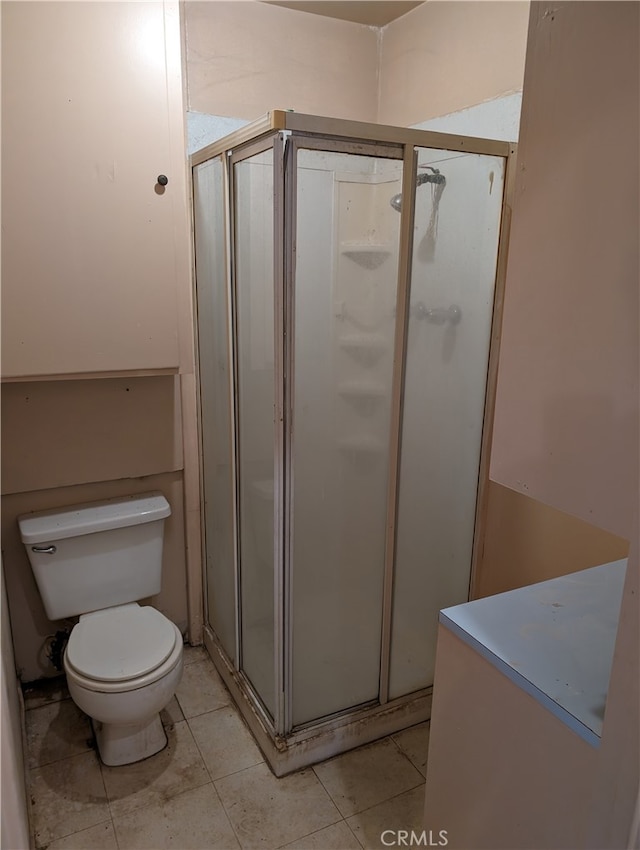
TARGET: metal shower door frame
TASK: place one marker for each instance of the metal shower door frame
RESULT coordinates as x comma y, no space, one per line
325,143
289,748
250,148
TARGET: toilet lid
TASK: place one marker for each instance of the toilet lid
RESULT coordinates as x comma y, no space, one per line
120,643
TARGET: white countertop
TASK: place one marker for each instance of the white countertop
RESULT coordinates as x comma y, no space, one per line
554,639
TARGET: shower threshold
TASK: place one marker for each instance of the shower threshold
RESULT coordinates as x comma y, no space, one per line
325,738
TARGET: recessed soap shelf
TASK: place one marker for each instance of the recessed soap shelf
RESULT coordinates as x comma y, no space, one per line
368,256
366,349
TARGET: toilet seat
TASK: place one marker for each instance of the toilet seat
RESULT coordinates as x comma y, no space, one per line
122,648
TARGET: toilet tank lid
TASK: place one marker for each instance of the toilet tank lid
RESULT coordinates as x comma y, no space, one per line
88,518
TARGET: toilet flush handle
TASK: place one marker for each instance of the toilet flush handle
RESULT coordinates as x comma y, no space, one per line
44,550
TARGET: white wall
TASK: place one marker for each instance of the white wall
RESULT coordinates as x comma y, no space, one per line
495,119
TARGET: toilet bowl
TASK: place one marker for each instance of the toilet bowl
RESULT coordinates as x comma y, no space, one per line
123,665
123,661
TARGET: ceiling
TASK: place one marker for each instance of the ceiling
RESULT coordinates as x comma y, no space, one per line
375,13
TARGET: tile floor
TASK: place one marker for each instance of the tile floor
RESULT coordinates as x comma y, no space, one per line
211,789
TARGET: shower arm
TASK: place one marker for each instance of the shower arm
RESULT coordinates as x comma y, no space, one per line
436,177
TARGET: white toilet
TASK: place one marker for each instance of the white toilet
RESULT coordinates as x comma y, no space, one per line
123,661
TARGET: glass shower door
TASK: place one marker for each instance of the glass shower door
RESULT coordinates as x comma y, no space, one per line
458,208
215,394
253,180
344,296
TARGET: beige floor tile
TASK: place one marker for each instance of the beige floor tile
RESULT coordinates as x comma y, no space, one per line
56,731
45,691
177,768
267,812
414,743
191,654
405,811
366,776
100,837
338,836
194,820
172,713
225,742
67,796
201,689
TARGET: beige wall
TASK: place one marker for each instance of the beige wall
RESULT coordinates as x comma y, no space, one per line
445,56
96,285
89,272
526,541
566,419
31,625
503,773
60,433
67,442
566,426
246,58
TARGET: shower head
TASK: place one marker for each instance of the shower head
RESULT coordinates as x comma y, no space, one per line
436,177
396,202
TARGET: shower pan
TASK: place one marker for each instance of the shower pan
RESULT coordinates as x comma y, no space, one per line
348,291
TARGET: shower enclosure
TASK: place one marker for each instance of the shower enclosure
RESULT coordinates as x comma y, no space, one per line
347,286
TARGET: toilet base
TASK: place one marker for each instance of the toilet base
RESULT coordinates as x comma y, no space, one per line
127,743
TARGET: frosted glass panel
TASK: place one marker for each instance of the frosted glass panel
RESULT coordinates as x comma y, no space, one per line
452,285
255,346
215,386
345,293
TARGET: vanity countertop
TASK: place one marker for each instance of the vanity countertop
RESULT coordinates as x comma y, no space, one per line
554,639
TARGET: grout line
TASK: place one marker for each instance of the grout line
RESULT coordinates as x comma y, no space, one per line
47,704
69,834
404,752
226,813
115,832
309,834
236,772
353,833
200,753
333,800
65,758
162,793
106,796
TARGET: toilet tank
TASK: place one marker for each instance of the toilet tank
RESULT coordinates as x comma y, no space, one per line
96,555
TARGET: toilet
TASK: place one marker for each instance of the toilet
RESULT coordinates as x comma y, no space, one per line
123,660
